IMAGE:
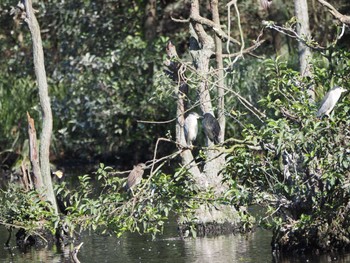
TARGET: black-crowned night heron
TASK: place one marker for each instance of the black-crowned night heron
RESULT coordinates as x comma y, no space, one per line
211,127
191,127
330,100
135,176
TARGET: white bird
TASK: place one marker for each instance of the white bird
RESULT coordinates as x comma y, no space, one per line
330,100
191,128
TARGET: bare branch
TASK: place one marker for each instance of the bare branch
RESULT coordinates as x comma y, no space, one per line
290,32
157,122
342,18
234,2
180,20
245,51
218,31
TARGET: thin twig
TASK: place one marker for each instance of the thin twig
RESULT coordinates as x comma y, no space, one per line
245,51
157,122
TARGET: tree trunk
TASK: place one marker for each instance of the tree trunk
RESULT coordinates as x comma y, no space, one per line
211,218
220,71
45,137
303,30
202,46
182,91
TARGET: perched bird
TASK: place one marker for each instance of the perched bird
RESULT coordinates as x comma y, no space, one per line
211,127
191,128
135,176
329,101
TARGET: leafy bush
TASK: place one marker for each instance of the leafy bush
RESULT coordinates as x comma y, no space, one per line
296,165
103,204
27,210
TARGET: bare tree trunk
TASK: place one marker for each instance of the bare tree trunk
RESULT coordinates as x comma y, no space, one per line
202,46
220,70
182,90
218,218
45,137
201,58
303,30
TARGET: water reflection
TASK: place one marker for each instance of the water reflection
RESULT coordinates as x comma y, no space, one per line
253,247
135,248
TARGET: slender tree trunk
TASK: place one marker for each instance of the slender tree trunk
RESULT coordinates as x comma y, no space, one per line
45,137
303,30
220,70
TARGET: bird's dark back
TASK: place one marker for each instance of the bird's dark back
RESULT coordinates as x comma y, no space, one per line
211,127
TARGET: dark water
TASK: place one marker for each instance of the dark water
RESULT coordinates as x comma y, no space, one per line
167,248
254,247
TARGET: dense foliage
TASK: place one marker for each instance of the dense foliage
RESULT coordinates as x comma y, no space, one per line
99,89
102,203
297,165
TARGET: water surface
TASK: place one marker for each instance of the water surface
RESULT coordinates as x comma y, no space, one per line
253,247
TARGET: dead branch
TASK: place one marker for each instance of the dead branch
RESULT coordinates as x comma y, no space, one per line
33,153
